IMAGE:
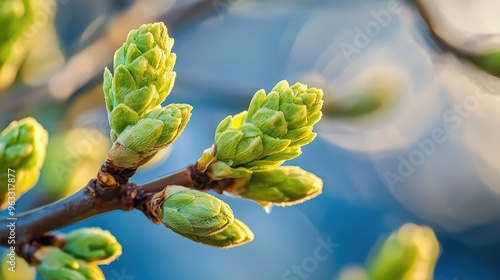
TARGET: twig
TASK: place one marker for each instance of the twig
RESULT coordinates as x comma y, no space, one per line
92,200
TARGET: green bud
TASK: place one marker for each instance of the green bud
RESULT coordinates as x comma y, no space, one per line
283,186
143,76
156,130
271,131
188,211
410,253
54,264
234,235
22,151
93,245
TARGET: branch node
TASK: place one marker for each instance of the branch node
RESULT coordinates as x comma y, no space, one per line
112,176
150,204
203,182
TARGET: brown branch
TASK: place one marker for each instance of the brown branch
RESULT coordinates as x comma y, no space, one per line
190,177
94,199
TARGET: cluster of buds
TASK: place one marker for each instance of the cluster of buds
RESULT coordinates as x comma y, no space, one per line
22,153
143,78
79,258
272,130
199,216
250,147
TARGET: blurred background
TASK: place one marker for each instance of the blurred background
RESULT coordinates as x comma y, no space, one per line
410,132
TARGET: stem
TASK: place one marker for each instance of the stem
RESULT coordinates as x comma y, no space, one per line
75,208
182,178
31,230
91,201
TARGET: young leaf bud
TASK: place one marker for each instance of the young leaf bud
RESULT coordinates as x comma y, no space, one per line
283,186
188,211
143,76
272,130
93,245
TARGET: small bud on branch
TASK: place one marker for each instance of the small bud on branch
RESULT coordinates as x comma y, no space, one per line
93,245
282,186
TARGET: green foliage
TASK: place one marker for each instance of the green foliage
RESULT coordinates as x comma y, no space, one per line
22,149
143,78
188,211
93,245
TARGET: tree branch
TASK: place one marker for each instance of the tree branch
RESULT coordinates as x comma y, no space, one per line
94,199
90,201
